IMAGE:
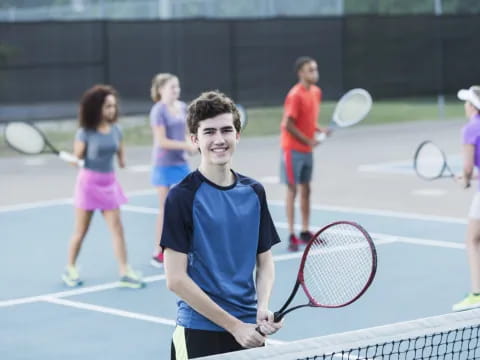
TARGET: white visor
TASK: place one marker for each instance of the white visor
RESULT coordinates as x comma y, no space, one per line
470,96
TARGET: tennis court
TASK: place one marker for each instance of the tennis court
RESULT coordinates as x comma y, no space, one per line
421,272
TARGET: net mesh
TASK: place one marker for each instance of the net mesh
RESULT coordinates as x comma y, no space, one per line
451,336
339,265
429,161
24,138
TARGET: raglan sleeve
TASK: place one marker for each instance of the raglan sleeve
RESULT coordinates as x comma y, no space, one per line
268,235
470,135
177,222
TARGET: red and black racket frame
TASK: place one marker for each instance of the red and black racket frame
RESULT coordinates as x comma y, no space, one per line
301,281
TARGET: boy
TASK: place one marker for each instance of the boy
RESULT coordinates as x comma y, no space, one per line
217,229
299,124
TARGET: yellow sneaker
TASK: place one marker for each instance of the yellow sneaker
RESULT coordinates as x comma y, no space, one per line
70,277
132,280
472,301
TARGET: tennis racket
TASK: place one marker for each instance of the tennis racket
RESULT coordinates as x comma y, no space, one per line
352,108
338,265
27,139
430,162
243,116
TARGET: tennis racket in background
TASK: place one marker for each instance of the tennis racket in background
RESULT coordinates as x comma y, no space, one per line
352,108
243,116
338,265
27,139
430,162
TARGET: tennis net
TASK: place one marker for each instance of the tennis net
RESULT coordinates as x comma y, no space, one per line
451,336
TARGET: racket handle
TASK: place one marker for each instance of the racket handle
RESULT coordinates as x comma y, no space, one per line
277,316
65,156
321,137
259,331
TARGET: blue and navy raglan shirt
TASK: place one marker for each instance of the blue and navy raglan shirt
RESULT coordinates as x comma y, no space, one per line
221,229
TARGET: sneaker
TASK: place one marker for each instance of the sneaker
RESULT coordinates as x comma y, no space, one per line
157,261
306,236
70,277
470,302
293,243
132,280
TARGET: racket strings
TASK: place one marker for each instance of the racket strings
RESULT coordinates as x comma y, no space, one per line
353,108
338,266
429,161
24,137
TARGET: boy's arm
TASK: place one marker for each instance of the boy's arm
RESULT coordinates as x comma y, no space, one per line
265,277
179,282
300,136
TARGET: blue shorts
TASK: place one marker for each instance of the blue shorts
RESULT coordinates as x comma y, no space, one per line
169,175
296,167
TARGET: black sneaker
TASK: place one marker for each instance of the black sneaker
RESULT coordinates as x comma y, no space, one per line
306,236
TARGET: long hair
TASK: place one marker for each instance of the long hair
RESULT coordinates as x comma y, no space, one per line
90,113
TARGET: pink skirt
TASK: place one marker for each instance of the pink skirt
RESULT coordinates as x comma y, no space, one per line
96,190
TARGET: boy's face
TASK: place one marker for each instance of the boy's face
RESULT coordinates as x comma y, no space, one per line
217,139
309,72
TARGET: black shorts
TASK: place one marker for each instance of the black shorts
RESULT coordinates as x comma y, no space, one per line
193,343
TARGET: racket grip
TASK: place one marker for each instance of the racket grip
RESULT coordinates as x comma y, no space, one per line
321,137
65,156
277,316
259,331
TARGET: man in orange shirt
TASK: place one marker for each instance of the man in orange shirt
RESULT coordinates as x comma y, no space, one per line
299,125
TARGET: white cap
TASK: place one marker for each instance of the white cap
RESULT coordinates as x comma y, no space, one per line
471,95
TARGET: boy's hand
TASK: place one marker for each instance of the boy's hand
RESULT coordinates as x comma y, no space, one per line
247,336
266,324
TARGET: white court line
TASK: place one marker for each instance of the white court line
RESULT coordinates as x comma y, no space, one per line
122,313
113,285
140,209
64,201
354,210
35,205
378,212
397,167
77,291
107,310
379,238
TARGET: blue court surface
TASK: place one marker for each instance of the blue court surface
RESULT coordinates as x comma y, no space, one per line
422,271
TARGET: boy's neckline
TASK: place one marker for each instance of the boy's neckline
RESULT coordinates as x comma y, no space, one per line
219,186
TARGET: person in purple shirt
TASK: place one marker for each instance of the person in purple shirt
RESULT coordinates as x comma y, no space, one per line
471,159
170,145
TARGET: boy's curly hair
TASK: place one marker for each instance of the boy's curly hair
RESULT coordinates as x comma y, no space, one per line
208,105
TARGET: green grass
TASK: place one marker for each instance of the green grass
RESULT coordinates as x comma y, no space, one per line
266,120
